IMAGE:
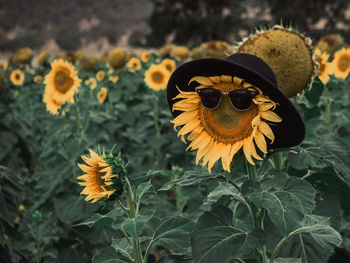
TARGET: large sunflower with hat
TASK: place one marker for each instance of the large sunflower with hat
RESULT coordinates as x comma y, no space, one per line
225,105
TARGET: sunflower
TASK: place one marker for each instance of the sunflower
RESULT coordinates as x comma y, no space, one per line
100,75
52,106
341,63
17,77
134,63
102,95
3,65
324,68
156,77
145,56
169,64
222,132
92,82
43,57
62,82
113,79
180,52
98,179
38,79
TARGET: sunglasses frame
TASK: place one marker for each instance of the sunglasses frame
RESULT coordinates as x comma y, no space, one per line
252,94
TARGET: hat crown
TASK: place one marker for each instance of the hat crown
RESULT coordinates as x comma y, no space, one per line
255,64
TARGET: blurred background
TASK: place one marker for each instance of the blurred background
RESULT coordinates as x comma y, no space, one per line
98,26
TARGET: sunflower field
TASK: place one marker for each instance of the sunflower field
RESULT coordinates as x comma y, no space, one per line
103,159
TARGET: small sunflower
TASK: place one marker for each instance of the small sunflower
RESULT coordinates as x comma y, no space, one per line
17,77
3,65
169,64
38,79
113,79
52,106
180,52
62,81
210,131
99,177
156,77
102,95
92,82
145,56
100,75
134,63
341,63
324,68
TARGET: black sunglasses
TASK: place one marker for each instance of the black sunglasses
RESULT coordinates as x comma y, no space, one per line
241,99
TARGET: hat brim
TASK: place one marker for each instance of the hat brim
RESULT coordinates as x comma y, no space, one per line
288,133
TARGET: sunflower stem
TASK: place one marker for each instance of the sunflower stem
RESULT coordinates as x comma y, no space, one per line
258,215
156,126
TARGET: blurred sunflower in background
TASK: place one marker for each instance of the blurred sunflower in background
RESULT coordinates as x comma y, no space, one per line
17,77
3,65
169,64
156,77
100,75
221,136
92,82
341,63
134,63
145,56
38,79
102,95
113,79
62,82
324,69
52,106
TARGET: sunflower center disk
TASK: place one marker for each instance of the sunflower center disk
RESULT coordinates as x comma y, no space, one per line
226,124
157,77
63,81
344,63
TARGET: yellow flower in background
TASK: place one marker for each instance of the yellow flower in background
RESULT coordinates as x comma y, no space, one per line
62,82
134,63
180,52
92,82
209,131
341,63
116,58
113,79
110,71
43,57
3,65
98,178
88,63
38,79
145,56
169,64
23,56
52,106
156,77
21,208
17,77
102,95
100,75
324,68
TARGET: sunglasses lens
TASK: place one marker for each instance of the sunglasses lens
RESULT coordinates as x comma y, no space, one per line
210,98
241,99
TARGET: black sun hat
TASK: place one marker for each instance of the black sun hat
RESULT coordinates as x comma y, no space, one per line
289,132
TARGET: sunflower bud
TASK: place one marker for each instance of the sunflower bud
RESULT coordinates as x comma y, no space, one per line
288,54
180,52
216,49
117,58
197,53
79,54
43,57
330,43
88,63
165,51
23,56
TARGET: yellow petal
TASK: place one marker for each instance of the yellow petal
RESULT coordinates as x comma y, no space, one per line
253,151
215,79
270,116
87,169
265,129
225,155
247,149
202,80
235,148
216,154
237,81
226,78
260,141
203,151
89,161
188,127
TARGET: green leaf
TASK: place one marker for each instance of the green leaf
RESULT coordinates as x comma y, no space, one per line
214,239
143,190
174,233
288,260
316,91
71,209
122,247
223,192
286,206
108,255
134,226
97,220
